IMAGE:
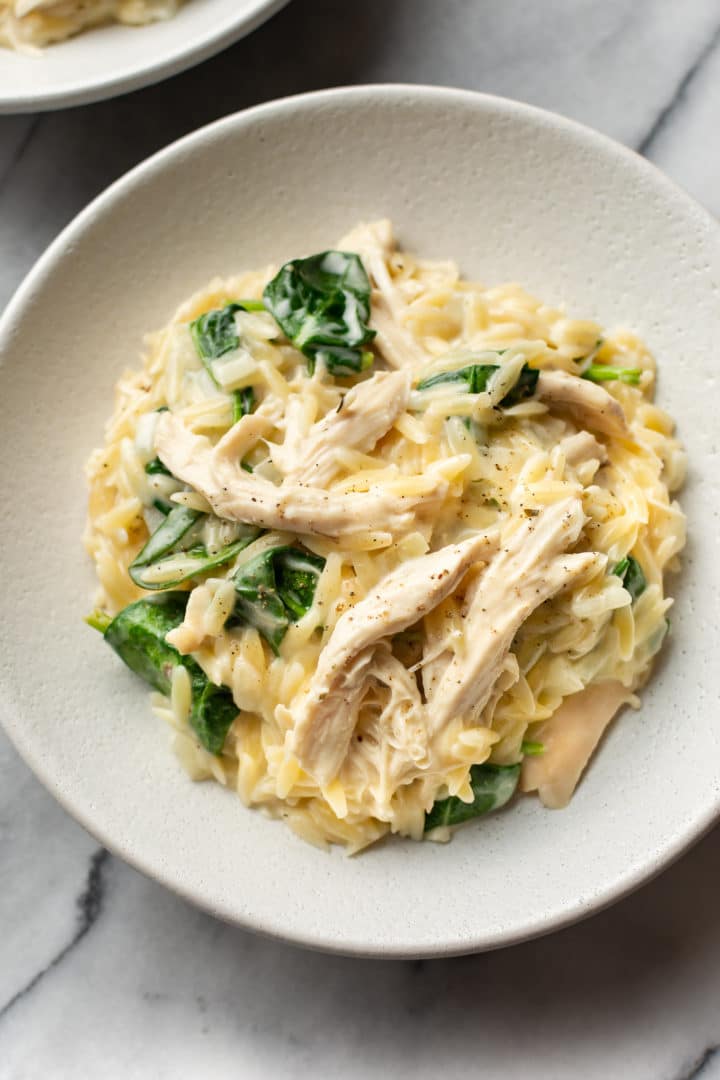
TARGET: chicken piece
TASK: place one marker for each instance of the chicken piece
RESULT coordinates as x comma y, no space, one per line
374,243
216,474
326,718
529,569
391,748
570,736
295,425
590,404
583,447
366,413
249,429
396,344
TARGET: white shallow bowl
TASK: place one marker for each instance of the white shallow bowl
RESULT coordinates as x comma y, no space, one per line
512,193
111,60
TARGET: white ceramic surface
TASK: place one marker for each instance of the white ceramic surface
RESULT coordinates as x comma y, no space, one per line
110,60
512,193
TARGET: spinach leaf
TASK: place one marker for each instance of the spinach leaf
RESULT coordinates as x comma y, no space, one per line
169,557
178,566
607,373
243,403
212,713
215,334
167,536
296,576
251,305
532,749
99,620
155,467
476,377
257,603
322,305
274,589
137,634
492,785
631,574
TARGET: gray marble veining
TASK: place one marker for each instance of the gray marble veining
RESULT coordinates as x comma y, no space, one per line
104,973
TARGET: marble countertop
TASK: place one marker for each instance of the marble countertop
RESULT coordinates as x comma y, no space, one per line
104,973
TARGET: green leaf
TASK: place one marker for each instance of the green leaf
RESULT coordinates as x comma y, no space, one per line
296,575
137,634
99,620
608,373
251,305
532,749
175,567
212,713
215,334
243,403
258,603
172,554
631,574
156,467
166,537
476,377
492,785
274,589
322,305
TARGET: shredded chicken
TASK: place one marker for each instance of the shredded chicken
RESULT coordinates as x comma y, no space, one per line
374,243
529,569
391,746
215,472
589,403
366,413
569,738
325,721
248,430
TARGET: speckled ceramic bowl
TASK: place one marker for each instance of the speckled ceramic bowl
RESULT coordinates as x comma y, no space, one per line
111,60
512,193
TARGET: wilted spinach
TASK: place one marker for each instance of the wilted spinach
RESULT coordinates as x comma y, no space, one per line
138,633
492,786
156,467
532,749
243,403
322,305
274,589
215,334
173,548
476,377
631,574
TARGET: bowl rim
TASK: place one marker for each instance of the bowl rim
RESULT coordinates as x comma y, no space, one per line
192,52
537,926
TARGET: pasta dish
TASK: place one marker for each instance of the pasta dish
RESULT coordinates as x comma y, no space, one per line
28,25
388,545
